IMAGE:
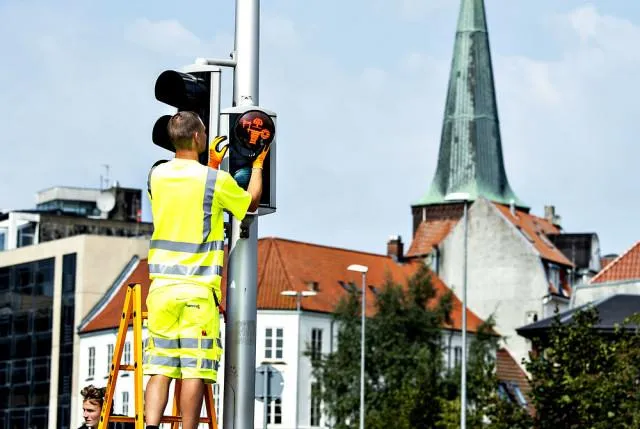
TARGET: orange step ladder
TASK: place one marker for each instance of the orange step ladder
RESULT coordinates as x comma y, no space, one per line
132,313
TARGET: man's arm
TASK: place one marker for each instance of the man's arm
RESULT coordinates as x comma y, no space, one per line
255,188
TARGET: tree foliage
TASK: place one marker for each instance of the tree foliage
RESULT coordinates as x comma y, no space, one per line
408,384
582,378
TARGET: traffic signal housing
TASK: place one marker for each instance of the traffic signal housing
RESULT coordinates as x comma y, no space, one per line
196,88
249,129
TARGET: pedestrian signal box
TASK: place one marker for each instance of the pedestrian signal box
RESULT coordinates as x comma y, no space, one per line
249,130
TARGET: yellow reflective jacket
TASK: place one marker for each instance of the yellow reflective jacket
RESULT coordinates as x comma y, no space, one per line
187,203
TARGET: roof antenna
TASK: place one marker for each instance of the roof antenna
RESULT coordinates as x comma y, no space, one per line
104,180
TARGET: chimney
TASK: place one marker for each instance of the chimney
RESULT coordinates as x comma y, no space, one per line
551,216
395,248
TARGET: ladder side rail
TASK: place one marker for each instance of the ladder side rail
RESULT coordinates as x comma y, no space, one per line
105,413
137,352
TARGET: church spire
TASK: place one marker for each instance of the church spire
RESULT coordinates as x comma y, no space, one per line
470,158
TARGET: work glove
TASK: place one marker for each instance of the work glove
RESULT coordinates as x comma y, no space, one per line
257,163
217,151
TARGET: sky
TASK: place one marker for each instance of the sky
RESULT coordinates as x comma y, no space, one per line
359,88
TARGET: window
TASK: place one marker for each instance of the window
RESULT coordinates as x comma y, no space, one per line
92,362
273,346
518,394
316,343
315,404
510,391
554,276
127,353
349,287
109,357
457,356
125,403
3,239
25,344
274,412
26,234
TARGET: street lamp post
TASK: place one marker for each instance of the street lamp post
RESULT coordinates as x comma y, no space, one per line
464,197
299,295
362,269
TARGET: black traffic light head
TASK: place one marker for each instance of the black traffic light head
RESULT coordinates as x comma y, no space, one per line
182,90
250,129
198,91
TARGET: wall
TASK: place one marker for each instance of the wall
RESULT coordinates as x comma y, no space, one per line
585,294
505,275
99,262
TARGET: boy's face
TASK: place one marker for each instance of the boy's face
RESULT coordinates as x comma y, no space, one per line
91,413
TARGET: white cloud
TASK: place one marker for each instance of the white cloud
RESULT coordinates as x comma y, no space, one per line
279,31
358,135
415,10
567,125
165,36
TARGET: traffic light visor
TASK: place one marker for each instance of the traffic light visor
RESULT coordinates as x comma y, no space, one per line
182,90
160,134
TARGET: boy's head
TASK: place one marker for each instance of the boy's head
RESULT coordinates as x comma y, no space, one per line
92,400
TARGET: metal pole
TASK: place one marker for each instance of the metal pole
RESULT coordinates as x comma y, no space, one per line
463,383
362,336
267,403
299,314
240,338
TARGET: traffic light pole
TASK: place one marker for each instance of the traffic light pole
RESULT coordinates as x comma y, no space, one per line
242,279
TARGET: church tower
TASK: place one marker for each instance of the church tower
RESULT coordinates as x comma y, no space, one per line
470,158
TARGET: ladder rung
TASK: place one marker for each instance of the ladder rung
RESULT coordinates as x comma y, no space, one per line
172,419
127,367
164,419
144,315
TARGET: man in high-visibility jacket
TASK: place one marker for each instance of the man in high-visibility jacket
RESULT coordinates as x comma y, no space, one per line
185,265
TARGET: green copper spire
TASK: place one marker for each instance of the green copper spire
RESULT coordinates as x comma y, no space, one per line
470,158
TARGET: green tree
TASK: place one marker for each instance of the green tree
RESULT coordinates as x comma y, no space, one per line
407,382
584,379
488,409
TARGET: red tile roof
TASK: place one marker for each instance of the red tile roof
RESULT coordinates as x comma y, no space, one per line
535,229
508,370
624,267
429,234
292,265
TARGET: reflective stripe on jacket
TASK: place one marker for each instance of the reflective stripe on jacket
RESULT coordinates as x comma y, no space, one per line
187,203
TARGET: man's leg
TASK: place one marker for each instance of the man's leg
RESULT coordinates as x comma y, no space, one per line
155,399
199,348
191,402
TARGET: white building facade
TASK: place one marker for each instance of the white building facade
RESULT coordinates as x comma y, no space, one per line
507,276
284,338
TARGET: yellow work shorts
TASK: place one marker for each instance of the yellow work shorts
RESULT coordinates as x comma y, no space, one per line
184,328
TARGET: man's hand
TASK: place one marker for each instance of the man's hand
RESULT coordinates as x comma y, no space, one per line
217,151
257,163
